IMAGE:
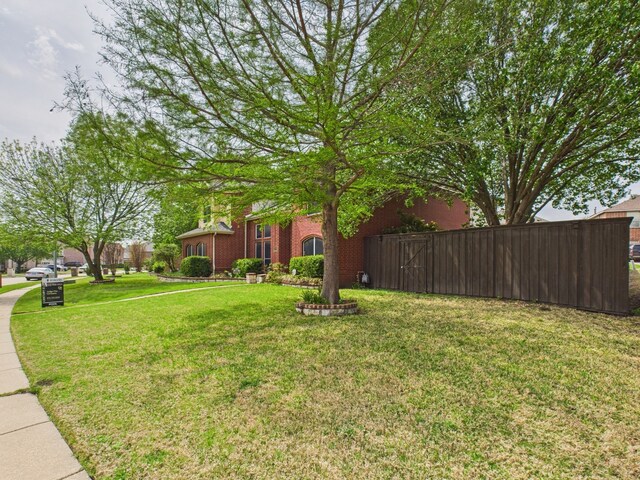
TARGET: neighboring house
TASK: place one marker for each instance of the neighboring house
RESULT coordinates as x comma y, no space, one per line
628,208
148,251
225,241
73,255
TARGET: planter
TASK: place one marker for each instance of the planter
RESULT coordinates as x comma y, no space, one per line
252,277
260,278
347,308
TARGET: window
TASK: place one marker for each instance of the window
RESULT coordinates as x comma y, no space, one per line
201,249
312,246
263,244
263,231
189,250
267,252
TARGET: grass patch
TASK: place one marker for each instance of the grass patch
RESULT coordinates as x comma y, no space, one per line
232,383
15,286
128,286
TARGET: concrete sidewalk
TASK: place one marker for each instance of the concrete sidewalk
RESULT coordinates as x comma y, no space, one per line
30,445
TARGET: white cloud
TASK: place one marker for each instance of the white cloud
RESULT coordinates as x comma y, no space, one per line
43,54
10,70
78,47
5,11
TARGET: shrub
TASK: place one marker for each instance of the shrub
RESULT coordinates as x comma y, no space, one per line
159,267
278,267
309,266
127,268
242,266
411,223
195,266
148,265
168,253
274,277
312,296
298,280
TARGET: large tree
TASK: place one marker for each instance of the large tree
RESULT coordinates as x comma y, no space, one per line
269,100
78,193
544,108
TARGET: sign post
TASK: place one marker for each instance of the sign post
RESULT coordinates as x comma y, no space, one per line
52,292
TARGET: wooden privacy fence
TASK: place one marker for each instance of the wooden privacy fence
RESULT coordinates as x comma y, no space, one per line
583,264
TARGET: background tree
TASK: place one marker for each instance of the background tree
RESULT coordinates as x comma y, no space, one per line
113,255
78,194
168,253
137,254
20,250
178,212
268,100
544,109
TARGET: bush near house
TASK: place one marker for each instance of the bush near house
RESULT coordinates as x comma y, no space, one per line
159,267
195,266
308,266
242,266
168,253
276,272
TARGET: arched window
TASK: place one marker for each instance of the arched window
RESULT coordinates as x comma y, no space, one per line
189,250
201,249
312,246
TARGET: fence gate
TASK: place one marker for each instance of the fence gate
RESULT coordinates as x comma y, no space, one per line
413,270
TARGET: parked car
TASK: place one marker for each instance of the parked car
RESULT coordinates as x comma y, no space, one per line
38,273
72,264
83,268
634,252
61,268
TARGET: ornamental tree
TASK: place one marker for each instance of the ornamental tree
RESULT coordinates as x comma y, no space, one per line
263,101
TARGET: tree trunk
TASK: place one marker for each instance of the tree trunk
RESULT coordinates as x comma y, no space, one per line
95,263
331,279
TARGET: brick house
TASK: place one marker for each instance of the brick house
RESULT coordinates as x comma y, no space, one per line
628,208
226,241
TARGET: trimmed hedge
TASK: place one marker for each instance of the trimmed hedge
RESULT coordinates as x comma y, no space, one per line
309,266
242,266
195,266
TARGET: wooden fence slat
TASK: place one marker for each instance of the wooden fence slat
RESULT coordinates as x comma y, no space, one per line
579,263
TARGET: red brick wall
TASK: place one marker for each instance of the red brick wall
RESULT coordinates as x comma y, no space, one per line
228,247
634,235
207,239
303,228
612,215
351,250
286,242
280,242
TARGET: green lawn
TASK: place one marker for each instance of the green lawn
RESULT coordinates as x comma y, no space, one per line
127,286
15,286
231,383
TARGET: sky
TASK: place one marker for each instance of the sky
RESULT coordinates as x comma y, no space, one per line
42,40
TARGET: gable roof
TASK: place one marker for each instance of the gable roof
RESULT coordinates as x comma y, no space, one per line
219,227
630,205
